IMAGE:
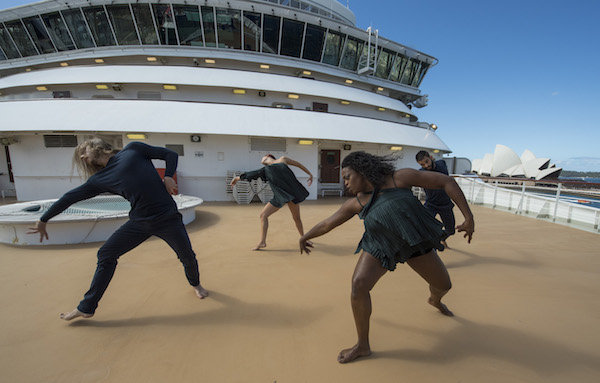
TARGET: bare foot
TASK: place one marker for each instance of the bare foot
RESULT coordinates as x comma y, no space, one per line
200,291
349,354
260,246
445,245
75,314
440,306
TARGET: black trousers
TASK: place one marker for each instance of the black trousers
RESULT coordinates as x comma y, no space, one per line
170,229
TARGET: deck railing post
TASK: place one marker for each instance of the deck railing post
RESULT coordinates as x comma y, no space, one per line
520,206
556,202
495,193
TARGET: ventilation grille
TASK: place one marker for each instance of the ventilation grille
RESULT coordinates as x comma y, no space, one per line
260,144
60,141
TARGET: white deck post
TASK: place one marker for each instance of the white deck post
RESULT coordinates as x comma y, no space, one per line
556,202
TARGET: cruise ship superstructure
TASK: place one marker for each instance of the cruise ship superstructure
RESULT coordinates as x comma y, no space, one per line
220,82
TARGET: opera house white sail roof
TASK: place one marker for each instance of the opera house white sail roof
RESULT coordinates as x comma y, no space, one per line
506,163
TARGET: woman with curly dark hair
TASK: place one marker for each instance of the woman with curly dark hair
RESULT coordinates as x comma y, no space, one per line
398,229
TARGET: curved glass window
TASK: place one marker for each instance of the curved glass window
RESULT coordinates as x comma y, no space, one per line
252,31
398,68
20,37
201,26
39,35
163,16
421,69
229,28
145,23
189,27
408,73
122,22
385,60
352,51
8,48
58,31
313,43
208,20
333,48
291,38
98,23
271,34
78,27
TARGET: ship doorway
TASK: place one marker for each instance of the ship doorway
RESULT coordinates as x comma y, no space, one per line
330,167
329,178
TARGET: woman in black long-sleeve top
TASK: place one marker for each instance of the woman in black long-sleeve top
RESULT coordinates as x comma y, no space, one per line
131,174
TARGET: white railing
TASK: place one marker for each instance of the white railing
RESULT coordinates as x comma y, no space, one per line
549,208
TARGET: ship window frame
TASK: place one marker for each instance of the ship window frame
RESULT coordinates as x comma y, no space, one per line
170,37
186,30
53,24
74,20
339,49
387,67
275,21
122,31
227,14
307,41
39,34
20,36
142,13
100,28
209,26
258,39
6,41
360,46
291,45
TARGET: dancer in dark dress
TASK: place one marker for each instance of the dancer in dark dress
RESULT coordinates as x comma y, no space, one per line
131,174
286,190
397,229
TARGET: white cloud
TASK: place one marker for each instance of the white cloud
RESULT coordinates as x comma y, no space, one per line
581,164
555,93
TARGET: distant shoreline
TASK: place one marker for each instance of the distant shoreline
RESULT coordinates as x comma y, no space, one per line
573,173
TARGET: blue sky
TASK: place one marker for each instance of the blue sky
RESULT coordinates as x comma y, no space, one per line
522,73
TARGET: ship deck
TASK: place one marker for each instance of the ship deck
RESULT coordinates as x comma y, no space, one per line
525,298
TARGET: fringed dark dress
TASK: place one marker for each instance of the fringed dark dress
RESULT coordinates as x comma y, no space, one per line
397,227
283,182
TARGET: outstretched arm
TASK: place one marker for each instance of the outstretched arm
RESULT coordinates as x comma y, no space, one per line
346,211
407,178
289,161
85,191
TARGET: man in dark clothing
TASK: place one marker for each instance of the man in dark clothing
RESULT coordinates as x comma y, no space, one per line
437,201
131,174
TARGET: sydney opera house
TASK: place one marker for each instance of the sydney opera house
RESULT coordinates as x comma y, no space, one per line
506,163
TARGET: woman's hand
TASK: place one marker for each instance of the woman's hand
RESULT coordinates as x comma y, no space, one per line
171,185
305,245
310,179
468,226
40,227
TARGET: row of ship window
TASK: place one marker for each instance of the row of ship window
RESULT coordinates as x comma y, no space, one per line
189,25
